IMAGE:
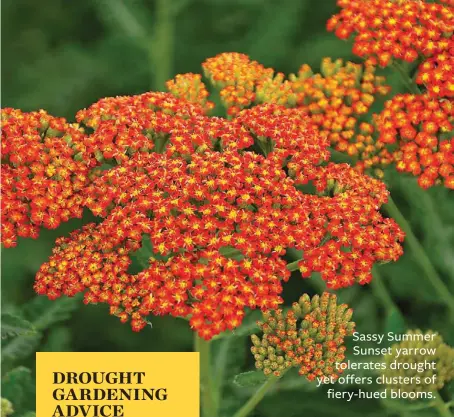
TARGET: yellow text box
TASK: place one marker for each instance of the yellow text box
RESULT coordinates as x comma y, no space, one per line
117,384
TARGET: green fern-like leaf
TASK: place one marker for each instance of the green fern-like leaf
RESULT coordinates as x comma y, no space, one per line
20,347
43,313
15,326
249,379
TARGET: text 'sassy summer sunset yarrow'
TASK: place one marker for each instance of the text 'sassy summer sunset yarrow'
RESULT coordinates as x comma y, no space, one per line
380,338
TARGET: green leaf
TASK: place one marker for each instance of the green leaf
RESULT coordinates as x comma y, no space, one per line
43,313
19,387
20,347
295,382
145,252
14,326
249,379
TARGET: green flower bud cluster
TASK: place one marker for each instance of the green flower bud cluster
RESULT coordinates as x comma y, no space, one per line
6,407
309,336
421,362
276,90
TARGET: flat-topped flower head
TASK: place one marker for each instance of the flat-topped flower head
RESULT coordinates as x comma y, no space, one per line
220,200
45,165
310,337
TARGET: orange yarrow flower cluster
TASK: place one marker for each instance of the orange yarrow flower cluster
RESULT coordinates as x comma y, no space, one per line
218,215
44,168
413,126
309,337
211,196
356,235
384,30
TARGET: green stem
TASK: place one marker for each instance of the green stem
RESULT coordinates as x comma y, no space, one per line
161,48
380,290
256,398
220,369
411,86
293,266
208,404
421,256
441,406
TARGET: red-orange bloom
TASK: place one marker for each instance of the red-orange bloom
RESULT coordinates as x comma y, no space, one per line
44,167
413,126
437,75
384,30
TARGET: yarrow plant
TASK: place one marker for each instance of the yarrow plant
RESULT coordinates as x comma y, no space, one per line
215,203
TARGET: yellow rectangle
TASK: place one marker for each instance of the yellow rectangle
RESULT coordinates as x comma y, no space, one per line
101,384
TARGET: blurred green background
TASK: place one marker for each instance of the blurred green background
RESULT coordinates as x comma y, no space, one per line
62,55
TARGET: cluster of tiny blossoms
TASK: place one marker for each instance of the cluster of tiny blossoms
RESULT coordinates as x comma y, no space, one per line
416,123
437,74
44,169
417,126
347,234
334,100
219,215
384,30
310,337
